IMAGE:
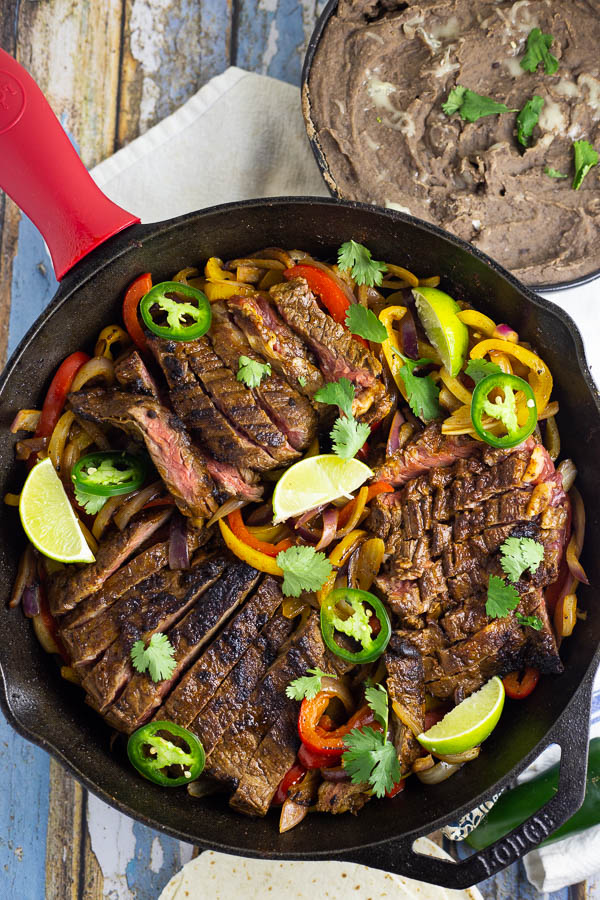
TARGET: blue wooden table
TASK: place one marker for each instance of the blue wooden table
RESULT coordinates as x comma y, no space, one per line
111,70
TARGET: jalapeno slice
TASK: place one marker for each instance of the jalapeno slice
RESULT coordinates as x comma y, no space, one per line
367,623
166,753
504,409
176,320
108,473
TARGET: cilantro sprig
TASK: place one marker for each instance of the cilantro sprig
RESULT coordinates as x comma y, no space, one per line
519,555
472,106
308,686
585,159
554,173
347,435
364,322
92,503
532,621
369,757
422,392
538,52
251,372
157,658
303,570
356,259
528,119
478,369
502,598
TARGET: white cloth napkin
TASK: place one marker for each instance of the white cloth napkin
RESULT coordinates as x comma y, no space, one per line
242,136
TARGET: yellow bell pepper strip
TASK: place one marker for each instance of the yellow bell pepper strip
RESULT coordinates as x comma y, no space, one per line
455,386
540,377
214,270
387,317
247,554
404,274
337,558
223,290
477,321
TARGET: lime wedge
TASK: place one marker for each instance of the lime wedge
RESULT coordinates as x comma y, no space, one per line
438,314
48,517
314,481
469,723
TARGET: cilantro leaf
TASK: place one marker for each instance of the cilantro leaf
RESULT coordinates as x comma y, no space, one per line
377,698
251,372
303,570
478,369
554,173
585,158
504,409
337,393
157,657
520,554
348,436
528,119
92,503
471,106
501,598
532,621
356,259
301,380
371,759
308,686
422,392
364,322
538,47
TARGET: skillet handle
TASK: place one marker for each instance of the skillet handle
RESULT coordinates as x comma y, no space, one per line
572,736
41,171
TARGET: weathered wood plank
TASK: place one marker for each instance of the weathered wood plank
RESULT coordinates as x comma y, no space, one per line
169,51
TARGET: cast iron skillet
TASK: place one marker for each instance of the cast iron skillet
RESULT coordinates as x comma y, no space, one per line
321,158
50,712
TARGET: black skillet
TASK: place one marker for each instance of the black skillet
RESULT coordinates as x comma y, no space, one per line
51,712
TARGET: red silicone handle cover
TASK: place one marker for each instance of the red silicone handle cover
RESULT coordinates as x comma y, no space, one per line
41,171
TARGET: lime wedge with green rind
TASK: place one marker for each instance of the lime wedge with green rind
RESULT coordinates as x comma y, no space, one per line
469,723
438,315
314,481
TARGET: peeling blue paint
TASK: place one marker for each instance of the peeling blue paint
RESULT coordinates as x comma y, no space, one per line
142,880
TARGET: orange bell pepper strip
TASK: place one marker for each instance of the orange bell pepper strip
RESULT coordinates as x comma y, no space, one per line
261,561
236,523
378,487
329,292
136,290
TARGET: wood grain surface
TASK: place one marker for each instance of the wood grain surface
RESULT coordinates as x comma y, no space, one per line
111,69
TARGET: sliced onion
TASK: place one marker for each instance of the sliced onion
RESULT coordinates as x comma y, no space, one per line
25,420
338,688
568,470
44,635
330,524
95,432
440,772
364,564
97,367
407,718
225,508
308,515
276,253
410,340
26,576
291,815
506,333
203,787
358,507
31,600
136,501
179,553
336,774
552,440
423,763
393,441
24,449
339,281
261,515
576,542
459,758
105,515
59,437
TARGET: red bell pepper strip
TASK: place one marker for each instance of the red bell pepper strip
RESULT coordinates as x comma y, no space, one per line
519,685
399,786
329,743
295,774
136,290
378,487
236,523
329,292
57,393
312,760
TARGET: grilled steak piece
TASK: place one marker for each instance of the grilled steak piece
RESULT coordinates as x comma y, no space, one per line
291,412
69,587
155,605
132,374
406,688
141,696
200,682
275,755
268,334
342,797
180,466
338,353
431,449
224,706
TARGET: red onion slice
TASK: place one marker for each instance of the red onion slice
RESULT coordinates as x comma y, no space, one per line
31,600
408,331
179,554
393,441
336,774
330,524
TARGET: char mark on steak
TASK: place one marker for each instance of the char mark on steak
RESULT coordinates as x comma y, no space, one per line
406,689
291,412
67,588
179,464
203,679
142,696
431,449
133,376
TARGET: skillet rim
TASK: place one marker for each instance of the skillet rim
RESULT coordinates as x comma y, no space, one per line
106,255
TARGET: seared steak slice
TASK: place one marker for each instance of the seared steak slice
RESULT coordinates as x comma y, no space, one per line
406,689
275,755
153,606
224,706
431,449
291,412
231,480
200,682
339,354
342,797
180,466
132,374
70,586
268,334
141,696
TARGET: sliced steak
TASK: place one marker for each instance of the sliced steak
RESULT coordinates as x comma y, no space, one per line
132,374
268,334
179,464
431,449
225,704
141,696
291,412
342,797
406,689
70,586
155,605
200,682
